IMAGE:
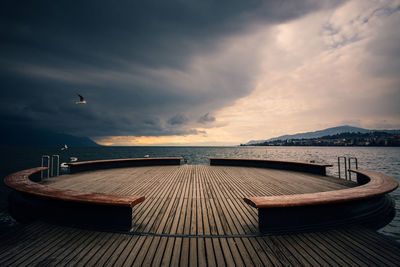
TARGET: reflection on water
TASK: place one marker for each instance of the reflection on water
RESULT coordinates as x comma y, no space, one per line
385,160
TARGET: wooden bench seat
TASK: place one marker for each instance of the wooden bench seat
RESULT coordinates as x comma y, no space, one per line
366,204
32,200
373,184
110,211
315,168
121,163
20,181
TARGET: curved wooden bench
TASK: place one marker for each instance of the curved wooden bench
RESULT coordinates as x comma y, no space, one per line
34,200
121,163
366,204
314,168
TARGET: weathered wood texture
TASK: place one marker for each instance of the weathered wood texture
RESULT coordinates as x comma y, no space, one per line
20,181
121,163
32,200
366,205
195,216
374,184
196,199
315,168
41,244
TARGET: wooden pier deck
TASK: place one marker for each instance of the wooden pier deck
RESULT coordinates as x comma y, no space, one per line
197,199
195,215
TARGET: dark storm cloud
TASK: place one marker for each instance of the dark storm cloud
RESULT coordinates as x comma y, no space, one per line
178,119
116,54
206,118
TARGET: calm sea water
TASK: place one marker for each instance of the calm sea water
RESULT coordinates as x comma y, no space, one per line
385,160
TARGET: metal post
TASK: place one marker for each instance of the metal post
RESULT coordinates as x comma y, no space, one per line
355,161
48,166
345,166
58,165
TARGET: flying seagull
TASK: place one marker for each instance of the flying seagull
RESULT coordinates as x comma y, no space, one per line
81,100
65,147
64,165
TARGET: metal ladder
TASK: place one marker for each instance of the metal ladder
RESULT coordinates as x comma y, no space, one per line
52,167
355,160
347,162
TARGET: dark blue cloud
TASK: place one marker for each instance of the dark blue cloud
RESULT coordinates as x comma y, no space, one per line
114,53
178,119
206,118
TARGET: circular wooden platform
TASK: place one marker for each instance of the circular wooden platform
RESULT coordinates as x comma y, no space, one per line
192,215
196,200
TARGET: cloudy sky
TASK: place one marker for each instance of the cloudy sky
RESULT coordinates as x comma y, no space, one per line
199,72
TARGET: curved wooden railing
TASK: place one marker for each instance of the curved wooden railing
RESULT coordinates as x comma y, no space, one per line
31,201
121,163
367,204
314,168
373,184
21,182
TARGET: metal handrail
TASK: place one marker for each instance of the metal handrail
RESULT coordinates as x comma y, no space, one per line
48,166
345,166
57,166
355,160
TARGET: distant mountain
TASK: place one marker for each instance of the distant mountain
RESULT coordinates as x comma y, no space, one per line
321,133
25,136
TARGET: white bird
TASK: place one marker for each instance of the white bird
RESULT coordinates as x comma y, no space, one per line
65,147
147,156
64,165
81,100
73,159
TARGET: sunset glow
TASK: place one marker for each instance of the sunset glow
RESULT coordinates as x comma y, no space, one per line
220,79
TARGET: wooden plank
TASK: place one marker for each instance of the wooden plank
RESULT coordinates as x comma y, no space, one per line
329,245
316,250
169,249
184,252
256,251
158,255
364,248
276,256
68,255
205,203
125,251
176,254
286,242
179,215
111,257
102,250
51,247
20,241
201,252
233,205
229,258
219,256
376,240
147,251
136,250
51,255
193,253
210,252
91,249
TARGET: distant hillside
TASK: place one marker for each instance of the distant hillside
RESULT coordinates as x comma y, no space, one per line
342,139
321,133
17,136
